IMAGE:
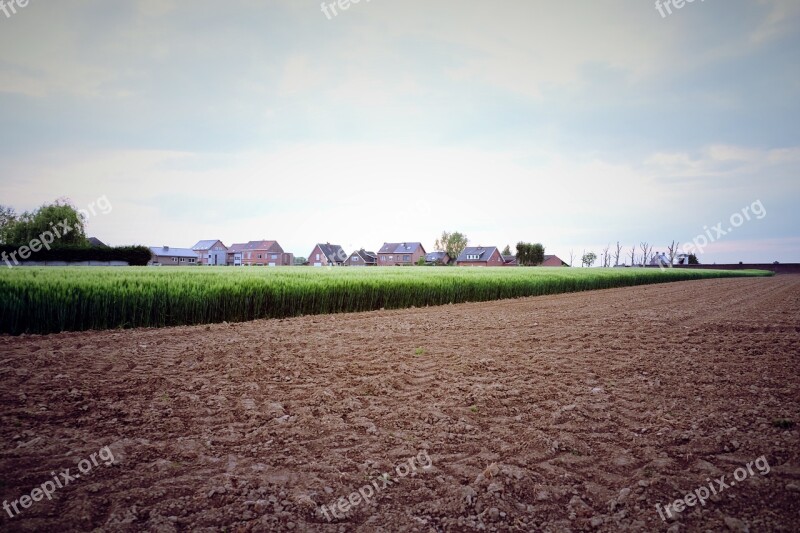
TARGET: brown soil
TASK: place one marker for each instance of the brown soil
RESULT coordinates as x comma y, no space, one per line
571,412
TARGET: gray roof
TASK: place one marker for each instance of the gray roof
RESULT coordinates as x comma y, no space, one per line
435,256
509,258
169,251
97,243
333,252
367,257
484,253
206,245
400,247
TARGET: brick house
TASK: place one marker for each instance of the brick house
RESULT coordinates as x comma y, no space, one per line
362,258
211,253
437,258
327,255
480,256
167,256
400,253
259,253
553,261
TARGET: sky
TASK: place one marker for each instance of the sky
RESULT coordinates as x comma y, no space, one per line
576,124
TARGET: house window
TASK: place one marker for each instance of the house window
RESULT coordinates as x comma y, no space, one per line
317,257
391,257
406,258
274,256
355,258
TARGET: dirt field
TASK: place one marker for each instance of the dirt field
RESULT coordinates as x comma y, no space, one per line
563,413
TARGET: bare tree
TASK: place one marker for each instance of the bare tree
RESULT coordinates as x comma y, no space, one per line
646,251
633,255
606,256
582,256
673,252
571,257
617,252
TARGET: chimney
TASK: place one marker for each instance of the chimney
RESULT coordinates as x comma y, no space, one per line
166,248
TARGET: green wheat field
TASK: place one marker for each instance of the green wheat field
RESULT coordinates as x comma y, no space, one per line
49,300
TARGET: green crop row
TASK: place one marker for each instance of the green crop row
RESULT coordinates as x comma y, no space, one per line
47,300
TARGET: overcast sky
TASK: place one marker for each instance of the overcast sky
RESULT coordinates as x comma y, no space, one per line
571,123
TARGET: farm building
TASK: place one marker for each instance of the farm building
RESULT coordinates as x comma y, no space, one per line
400,253
327,255
362,258
480,256
212,252
167,256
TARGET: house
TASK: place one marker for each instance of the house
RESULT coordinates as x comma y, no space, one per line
362,258
660,259
437,258
553,261
327,255
166,256
480,256
400,253
211,253
234,254
259,253
510,260
94,242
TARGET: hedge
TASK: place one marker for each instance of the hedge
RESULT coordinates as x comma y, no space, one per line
134,255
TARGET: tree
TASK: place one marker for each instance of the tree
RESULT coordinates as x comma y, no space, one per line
571,257
60,218
589,259
606,256
672,252
633,255
8,217
646,251
507,250
530,254
617,253
452,243
693,260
